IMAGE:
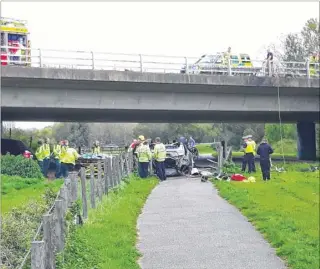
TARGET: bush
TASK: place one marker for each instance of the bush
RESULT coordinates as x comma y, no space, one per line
20,166
19,226
289,146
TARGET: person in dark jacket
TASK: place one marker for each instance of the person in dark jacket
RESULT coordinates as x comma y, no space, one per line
264,151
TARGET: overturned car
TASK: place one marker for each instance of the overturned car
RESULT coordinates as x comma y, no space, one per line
179,160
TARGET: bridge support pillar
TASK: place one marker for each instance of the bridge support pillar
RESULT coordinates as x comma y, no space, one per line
306,140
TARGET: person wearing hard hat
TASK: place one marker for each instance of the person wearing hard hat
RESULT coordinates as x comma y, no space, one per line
40,154
249,154
160,155
68,158
46,156
96,148
264,151
244,159
254,145
57,155
144,157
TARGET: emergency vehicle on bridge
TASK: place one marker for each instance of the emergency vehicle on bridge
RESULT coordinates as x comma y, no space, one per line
15,43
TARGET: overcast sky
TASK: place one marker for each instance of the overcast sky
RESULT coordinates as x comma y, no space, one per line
186,29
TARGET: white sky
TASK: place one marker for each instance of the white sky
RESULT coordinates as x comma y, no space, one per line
184,29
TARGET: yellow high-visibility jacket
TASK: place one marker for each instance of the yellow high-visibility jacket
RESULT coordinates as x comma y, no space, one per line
69,155
251,146
159,152
144,153
96,150
57,151
40,153
46,151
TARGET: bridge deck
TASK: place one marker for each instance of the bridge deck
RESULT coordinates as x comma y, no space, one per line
186,225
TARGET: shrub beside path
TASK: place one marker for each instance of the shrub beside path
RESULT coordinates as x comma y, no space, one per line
185,224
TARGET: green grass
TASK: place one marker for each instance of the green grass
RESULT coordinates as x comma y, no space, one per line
207,149
108,238
16,191
285,210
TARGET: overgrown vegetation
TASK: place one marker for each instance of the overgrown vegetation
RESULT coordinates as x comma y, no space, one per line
19,166
16,191
285,210
108,239
19,224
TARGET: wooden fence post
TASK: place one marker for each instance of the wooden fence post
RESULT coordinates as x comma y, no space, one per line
114,170
127,164
121,166
99,181
64,197
150,168
48,244
106,176
59,226
67,184
118,170
37,255
92,187
74,187
84,193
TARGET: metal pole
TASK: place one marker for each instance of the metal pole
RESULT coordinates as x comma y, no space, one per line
40,58
229,67
186,63
269,68
308,68
92,59
141,65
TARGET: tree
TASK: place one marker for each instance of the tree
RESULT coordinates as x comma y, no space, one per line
298,46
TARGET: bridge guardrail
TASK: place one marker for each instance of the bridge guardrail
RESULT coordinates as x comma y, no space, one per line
68,59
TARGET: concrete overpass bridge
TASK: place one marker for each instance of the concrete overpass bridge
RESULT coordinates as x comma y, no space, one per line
50,94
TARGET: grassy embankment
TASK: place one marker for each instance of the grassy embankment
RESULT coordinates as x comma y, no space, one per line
108,239
207,149
285,210
16,191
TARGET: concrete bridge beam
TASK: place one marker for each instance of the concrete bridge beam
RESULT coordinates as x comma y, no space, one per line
306,140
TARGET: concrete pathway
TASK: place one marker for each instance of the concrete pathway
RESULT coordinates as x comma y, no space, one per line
186,225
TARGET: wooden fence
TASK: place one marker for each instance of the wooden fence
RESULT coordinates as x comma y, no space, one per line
115,168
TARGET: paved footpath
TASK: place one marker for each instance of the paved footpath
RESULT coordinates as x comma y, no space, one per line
186,225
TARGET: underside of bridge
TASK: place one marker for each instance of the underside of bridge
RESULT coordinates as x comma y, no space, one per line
305,129
178,116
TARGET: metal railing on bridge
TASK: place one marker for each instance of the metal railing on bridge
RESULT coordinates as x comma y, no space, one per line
67,59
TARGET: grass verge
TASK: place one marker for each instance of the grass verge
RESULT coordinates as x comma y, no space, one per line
16,191
285,210
108,238
207,149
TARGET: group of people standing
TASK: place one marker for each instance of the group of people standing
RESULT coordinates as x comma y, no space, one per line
141,150
64,157
264,150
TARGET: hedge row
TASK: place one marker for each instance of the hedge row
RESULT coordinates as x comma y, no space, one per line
20,166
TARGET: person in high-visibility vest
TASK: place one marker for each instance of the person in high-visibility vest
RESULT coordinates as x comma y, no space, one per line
39,154
160,154
46,156
57,155
96,148
251,141
68,158
244,159
249,148
144,157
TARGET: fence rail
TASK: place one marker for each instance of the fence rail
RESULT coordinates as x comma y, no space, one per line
111,171
68,59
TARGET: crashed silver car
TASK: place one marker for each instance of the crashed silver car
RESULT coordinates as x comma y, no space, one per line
179,160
